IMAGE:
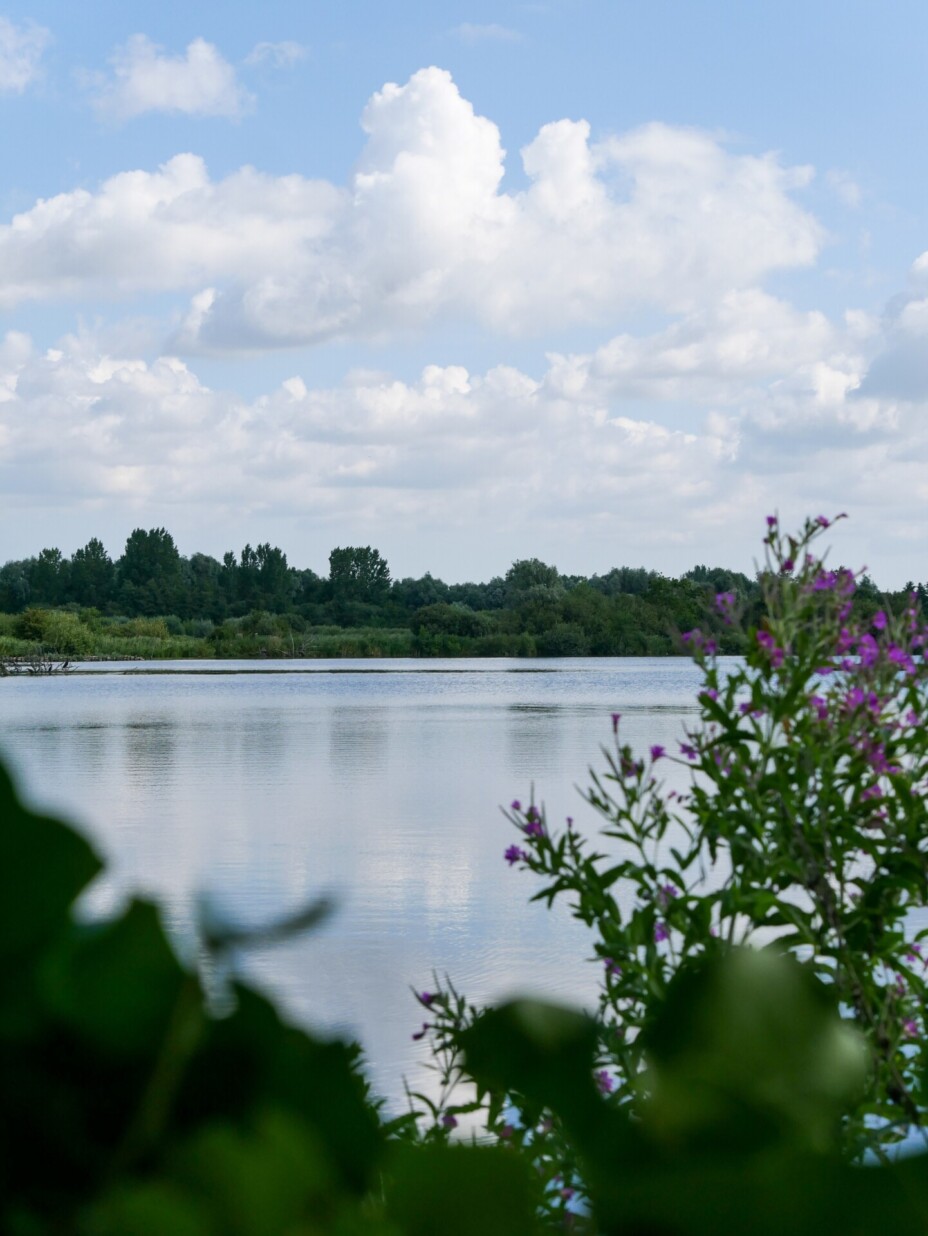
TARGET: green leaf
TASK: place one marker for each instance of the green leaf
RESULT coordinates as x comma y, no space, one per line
543,1051
461,1191
44,865
150,1209
260,1181
748,1050
251,1061
116,983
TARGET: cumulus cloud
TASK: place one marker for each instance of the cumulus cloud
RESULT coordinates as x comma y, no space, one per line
200,82
662,216
21,49
900,368
569,465
160,231
720,354
281,55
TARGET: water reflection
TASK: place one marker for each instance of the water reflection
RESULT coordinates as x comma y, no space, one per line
384,788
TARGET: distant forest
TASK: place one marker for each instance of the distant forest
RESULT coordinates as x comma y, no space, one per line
153,601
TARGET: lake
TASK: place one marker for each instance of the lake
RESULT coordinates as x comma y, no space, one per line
264,784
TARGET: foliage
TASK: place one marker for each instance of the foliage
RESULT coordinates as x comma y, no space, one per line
719,1087
358,574
534,611
804,831
135,1107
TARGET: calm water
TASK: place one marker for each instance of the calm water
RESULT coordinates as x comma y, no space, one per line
378,781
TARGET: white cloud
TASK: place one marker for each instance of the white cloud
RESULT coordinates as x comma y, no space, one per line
844,186
491,32
160,231
21,49
500,457
198,83
281,55
722,354
661,216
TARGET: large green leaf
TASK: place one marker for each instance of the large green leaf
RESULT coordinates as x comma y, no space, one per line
44,865
115,982
461,1191
748,1049
252,1060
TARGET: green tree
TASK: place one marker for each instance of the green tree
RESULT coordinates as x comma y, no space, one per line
14,585
48,578
358,574
92,575
530,577
150,575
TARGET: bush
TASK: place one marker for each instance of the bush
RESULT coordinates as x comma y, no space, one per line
804,832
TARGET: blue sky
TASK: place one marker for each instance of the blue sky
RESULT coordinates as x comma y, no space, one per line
596,282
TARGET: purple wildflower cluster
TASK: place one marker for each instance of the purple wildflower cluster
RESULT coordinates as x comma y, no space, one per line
699,644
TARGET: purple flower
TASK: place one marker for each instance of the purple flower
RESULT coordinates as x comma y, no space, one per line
657,752
426,997
823,522
788,565
868,650
910,1027
604,1082
661,933
771,521
516,805
872,791
900,657
514,855
769,644
879,621
665,894
613,969
854,698
688,751
845,642
422,1033
616,718
710,693
820,705
449,1121
725,606
911,717
567,1193
824,581
534,828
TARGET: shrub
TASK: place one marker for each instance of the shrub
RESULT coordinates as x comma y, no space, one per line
804,832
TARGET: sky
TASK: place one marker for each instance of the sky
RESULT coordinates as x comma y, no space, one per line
597,282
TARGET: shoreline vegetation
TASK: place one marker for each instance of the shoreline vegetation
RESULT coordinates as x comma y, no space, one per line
152,603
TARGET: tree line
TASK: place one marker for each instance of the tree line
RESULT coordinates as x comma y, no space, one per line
533,609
